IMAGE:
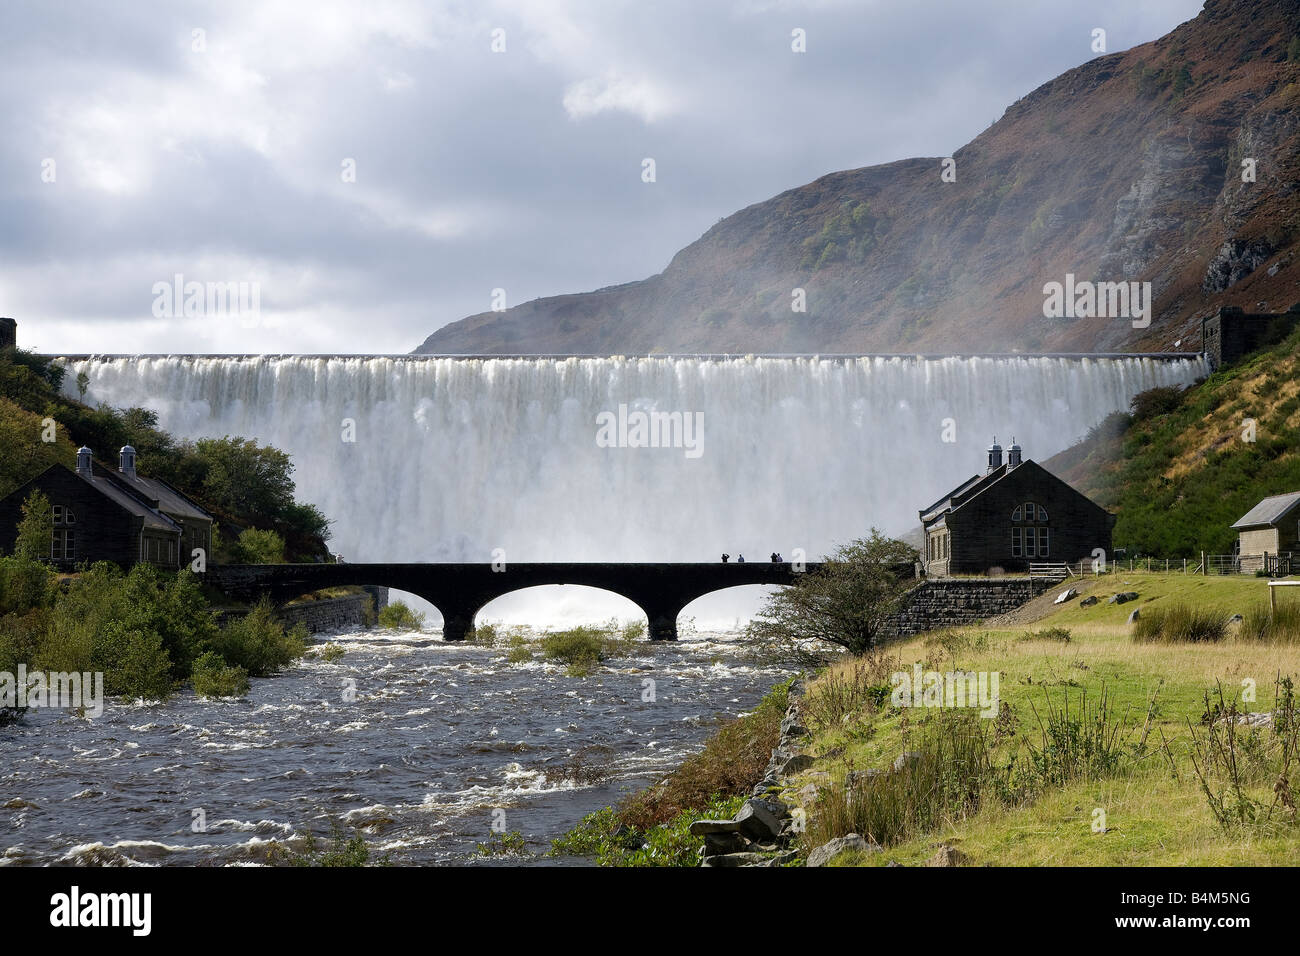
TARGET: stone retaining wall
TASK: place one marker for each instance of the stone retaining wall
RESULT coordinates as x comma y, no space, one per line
330,614
956,602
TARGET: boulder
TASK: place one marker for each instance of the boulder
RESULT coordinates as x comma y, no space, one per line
1123,597
790,727
718,844
856,778
736,859
1132,618
1067,595
792,763
1089,601
705,827
948,856
761,820
828,851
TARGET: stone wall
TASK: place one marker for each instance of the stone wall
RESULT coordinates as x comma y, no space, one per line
341,613
955,602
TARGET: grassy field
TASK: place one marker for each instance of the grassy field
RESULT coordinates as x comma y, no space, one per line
1155,809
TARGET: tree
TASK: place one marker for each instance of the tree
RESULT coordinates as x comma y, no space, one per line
36,529
83,383
259,547
842,604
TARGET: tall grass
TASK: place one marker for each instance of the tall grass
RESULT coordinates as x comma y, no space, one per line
1179,624
1280,627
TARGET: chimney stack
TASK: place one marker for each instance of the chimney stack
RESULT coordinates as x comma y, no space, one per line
126,461
84,455
1013,454
995,456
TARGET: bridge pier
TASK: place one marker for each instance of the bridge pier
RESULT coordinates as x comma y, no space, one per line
662,624
457,626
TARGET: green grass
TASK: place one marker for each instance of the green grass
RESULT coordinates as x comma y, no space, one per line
1133,797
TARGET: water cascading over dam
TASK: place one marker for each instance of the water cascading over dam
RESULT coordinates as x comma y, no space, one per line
456,457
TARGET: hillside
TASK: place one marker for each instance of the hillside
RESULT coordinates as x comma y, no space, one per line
1126,168
1181,469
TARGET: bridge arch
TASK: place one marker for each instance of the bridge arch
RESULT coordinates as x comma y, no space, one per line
583,603
723,608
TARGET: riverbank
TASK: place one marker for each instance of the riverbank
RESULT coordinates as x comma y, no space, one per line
1099,750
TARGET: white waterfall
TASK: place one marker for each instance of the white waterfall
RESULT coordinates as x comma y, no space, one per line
456,457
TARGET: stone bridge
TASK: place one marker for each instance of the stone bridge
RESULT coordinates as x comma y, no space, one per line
460,591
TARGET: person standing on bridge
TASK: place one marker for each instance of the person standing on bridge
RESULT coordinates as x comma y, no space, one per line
741,559
726,558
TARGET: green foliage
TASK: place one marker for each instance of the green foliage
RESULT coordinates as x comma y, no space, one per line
581,649
341,851
134,662
1156,401
258,642
1293,50
843,604
398,617
603,836
255,546
36,528
1272,627
848,236
331,652
213,677
25,584
26,453
504,844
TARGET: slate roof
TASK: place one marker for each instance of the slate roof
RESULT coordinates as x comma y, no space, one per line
170,501
1269,511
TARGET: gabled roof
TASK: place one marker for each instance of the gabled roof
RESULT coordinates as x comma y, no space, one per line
170,501
961,493
125,499
964,494
1269,511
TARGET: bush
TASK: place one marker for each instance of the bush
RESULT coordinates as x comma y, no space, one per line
398,617
331,652
1179,624
213,677
580,648
134,662
258,642
25,584
256,546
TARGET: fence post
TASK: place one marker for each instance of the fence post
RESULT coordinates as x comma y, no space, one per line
1205,570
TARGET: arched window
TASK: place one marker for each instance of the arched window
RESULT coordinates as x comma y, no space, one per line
63,540
1031,538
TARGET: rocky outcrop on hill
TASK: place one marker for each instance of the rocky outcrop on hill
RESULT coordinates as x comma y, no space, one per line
1175,162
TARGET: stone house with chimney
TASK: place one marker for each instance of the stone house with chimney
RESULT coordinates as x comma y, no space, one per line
1016,514
106,515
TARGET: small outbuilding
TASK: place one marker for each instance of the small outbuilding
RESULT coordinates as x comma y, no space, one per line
1271,528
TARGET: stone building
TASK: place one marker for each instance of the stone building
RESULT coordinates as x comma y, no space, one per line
101,515
1272,527
1016,514
1231,333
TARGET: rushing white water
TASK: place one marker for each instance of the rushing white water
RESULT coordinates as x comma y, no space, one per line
454,458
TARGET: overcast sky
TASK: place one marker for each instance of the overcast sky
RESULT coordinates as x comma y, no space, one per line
135,148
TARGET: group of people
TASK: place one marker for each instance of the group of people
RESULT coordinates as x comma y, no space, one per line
740,559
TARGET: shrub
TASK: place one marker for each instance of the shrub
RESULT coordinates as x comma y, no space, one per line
134,662
35,529
25,583
213,677
331,652
580,648
1179,624
258,642
398,617
520,652
341,851
256,546
855,688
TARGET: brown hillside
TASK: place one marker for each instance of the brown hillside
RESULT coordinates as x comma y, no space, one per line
1125,168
